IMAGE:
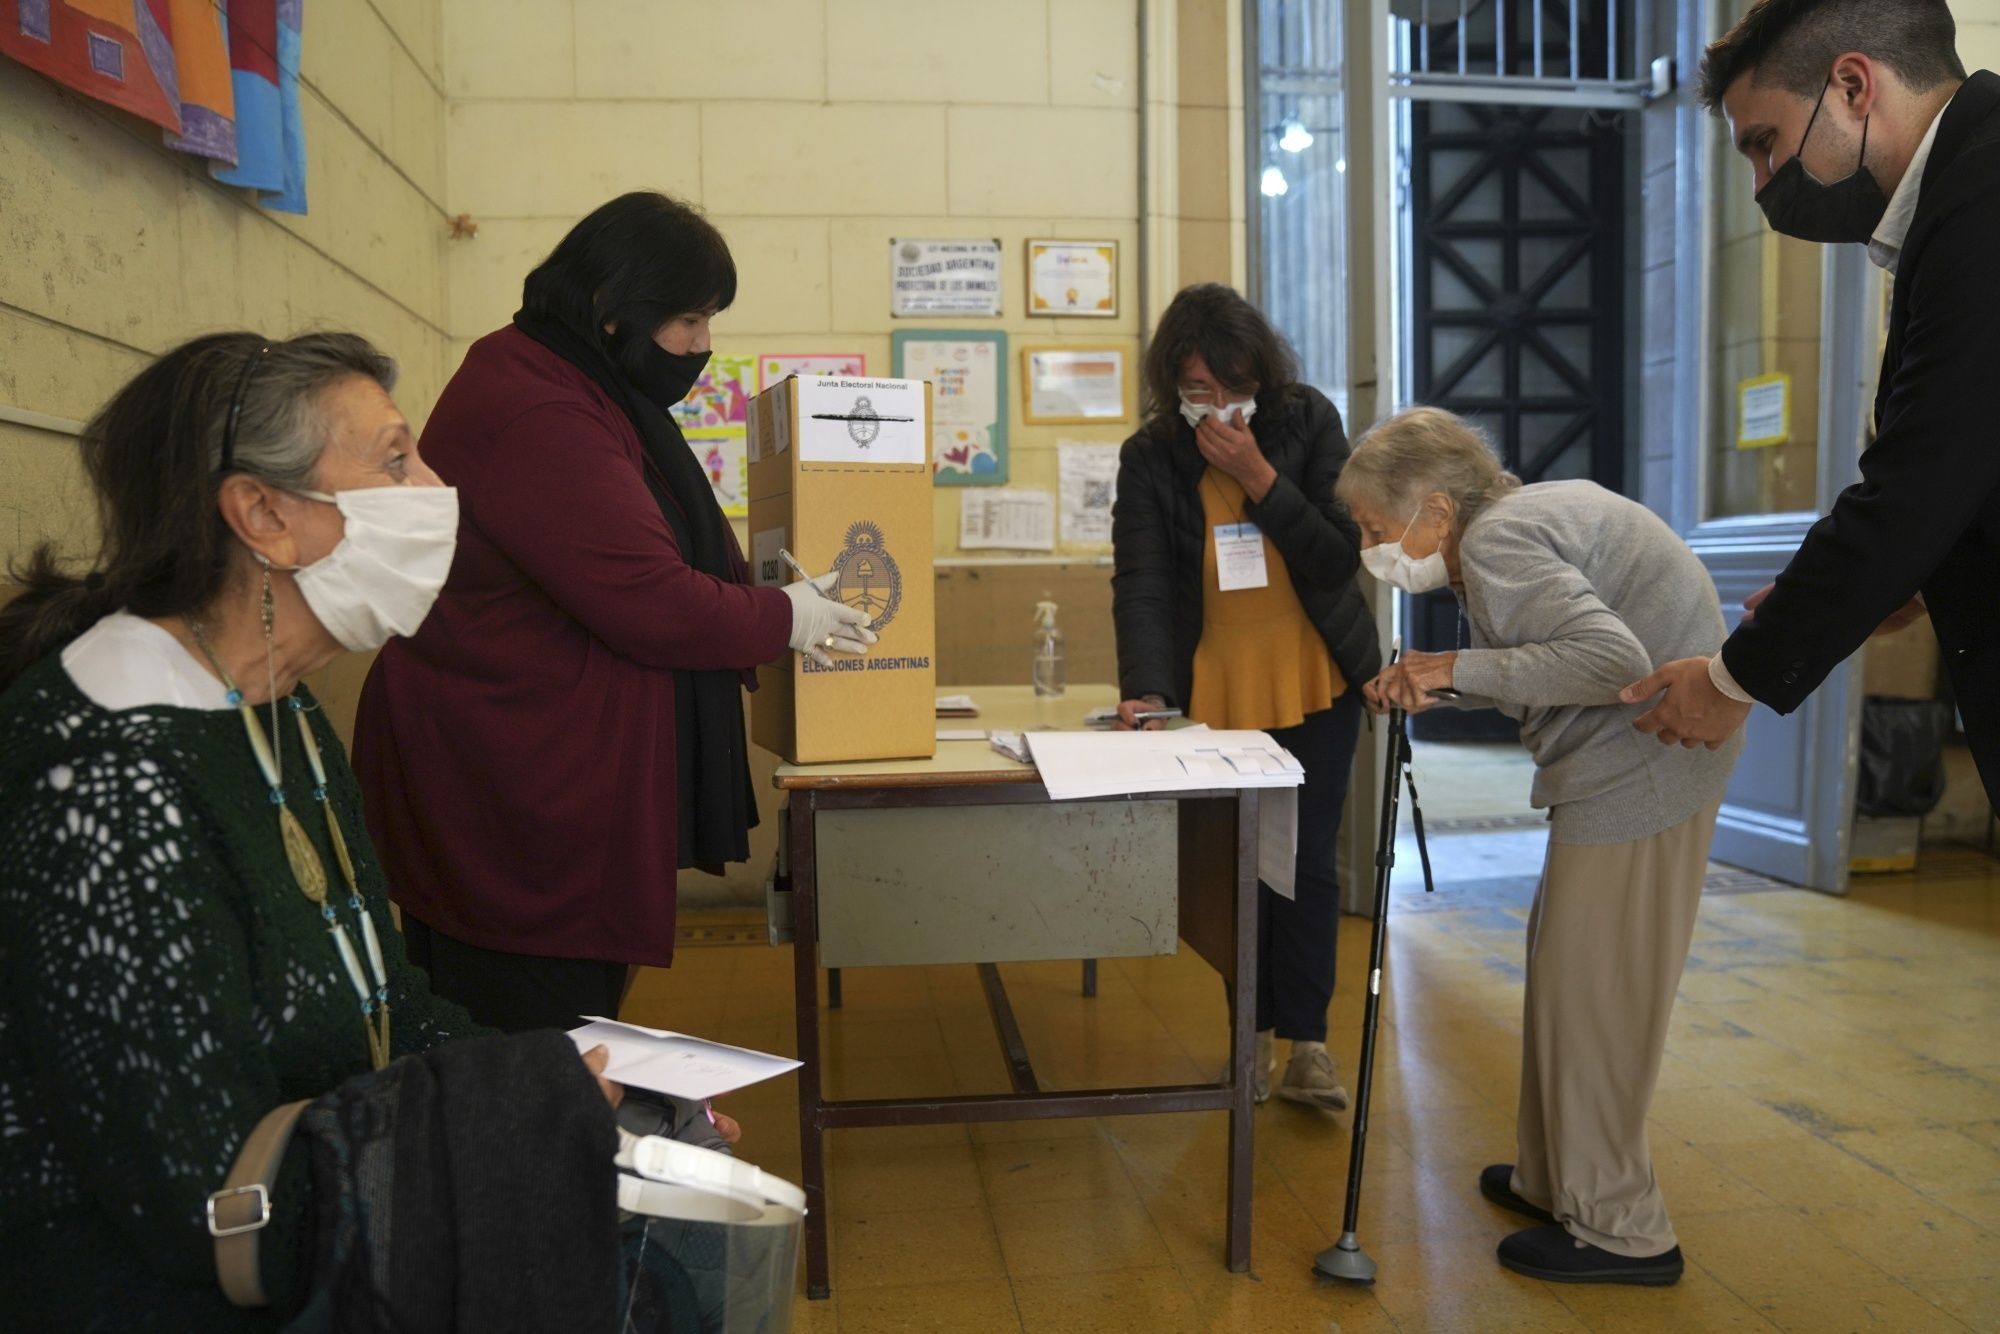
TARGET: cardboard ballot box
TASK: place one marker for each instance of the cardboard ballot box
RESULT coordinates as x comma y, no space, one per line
840,475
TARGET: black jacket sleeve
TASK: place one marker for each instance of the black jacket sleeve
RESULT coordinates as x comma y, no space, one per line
1312,531
1934,464
1143,577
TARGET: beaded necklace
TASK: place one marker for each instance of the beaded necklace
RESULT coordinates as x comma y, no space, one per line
307,869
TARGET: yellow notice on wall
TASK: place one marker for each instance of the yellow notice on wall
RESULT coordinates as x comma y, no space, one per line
1764,411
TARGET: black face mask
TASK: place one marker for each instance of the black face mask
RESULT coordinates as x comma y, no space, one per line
662,376
1797,205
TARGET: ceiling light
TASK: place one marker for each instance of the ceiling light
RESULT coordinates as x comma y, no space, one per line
1297,138
1274,181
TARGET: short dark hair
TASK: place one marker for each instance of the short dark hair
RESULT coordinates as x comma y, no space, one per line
633,263
1793,44
1213,321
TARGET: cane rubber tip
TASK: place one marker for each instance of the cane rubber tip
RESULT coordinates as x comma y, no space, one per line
1345,1260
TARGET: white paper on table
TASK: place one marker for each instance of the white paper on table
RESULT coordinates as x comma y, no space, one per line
960,734
1010,518
1076,765
1089,489
669,1062
957,704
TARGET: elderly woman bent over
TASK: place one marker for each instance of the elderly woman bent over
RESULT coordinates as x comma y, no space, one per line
1570,592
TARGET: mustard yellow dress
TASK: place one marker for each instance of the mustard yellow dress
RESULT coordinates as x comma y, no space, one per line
1260,663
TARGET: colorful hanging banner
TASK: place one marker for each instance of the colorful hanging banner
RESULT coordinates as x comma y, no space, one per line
200,33
270,140
117,51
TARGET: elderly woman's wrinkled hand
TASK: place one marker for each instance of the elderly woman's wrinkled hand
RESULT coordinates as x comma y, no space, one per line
1407,683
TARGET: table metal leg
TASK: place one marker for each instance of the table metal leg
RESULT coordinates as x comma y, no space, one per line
833,988
805,994
1242,1034
1019,1068
1090,977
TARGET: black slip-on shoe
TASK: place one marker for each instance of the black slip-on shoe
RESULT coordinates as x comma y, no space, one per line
1554,1255
1496,1183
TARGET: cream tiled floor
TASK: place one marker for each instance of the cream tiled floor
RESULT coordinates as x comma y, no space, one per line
1827,1131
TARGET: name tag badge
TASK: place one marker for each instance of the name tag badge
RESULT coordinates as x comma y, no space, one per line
1239,557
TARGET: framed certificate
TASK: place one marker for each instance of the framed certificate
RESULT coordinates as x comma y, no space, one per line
1073,278
1070,384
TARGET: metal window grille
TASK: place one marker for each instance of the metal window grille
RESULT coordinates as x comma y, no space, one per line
1297,174
1582,53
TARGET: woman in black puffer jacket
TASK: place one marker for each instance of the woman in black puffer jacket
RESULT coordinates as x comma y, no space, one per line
1234,599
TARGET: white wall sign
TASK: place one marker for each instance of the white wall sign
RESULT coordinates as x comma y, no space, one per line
958,277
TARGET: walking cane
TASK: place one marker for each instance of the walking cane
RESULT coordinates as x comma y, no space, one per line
1345,1259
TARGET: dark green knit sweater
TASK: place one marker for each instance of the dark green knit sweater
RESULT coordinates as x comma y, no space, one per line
163,984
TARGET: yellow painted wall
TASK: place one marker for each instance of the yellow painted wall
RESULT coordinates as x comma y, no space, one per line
113,249
812,133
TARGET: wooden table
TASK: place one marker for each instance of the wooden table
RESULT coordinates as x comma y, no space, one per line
899,817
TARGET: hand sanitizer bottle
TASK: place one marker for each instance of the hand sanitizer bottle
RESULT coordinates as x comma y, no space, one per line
1050,670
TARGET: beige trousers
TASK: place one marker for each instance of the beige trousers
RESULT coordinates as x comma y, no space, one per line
1607,939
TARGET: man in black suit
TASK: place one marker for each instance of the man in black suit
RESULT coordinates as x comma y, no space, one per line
1860,125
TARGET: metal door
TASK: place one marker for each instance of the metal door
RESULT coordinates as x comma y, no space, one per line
1517,311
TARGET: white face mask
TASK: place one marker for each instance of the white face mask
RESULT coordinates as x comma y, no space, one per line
1195,412
1397,568
389,566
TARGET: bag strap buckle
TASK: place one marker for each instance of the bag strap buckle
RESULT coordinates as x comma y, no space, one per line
255,1189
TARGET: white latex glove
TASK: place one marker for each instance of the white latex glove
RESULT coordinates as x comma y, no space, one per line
820,623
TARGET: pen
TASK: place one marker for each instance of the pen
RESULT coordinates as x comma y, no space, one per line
800,571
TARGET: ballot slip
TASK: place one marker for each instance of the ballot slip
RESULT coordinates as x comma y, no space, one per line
669,1062
1076,766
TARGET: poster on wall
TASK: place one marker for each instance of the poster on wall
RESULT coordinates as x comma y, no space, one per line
968,374
724,457
721,397
1073,278
950,277
1075,384
713,417
775,366
1007,519
1089,474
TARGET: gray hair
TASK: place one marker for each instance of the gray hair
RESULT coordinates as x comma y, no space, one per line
154,458
280,430
1418,452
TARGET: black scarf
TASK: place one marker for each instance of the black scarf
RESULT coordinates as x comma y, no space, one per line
716,803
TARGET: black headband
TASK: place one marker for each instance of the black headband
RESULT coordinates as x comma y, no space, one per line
236,409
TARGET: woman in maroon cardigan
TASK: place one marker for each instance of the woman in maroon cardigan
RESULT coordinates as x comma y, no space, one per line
566,732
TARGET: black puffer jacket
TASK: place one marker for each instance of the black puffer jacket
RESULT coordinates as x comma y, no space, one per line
1157,536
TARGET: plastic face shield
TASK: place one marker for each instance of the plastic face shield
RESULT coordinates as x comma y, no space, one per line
710,1243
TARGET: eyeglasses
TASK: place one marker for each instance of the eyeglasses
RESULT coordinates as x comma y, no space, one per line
236,408
1204,394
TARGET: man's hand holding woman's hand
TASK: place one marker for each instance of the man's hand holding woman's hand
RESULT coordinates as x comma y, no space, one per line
1407,683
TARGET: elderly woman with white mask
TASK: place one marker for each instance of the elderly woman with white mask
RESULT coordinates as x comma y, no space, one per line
193,926
1569,593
